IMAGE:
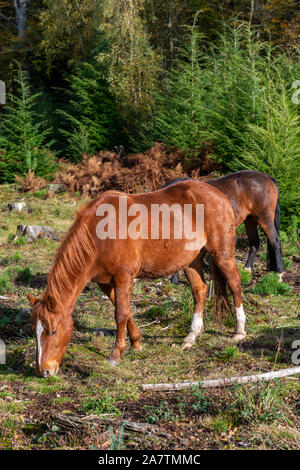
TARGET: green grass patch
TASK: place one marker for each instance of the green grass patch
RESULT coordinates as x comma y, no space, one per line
269,284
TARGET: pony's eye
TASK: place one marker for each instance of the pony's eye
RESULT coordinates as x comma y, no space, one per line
52,333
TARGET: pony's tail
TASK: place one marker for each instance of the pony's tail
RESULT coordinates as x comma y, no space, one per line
221,308
271,260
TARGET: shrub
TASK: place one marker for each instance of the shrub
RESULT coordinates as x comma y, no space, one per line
269,284
101,405
246,276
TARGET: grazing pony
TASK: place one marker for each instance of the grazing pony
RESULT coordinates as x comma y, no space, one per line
255,201
94,249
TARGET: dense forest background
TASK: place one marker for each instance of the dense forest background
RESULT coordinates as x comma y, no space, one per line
87,75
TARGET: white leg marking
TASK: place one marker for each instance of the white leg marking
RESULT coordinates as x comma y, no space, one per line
39,331
240,323
196,328
280,277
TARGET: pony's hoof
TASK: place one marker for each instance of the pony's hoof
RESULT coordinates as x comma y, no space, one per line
186,345
137,347
239,337
280,277
113,362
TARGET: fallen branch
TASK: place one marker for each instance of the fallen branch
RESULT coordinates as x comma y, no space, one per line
145,428
224,382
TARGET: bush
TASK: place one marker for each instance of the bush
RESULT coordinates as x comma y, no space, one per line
246,276
269,284
101,405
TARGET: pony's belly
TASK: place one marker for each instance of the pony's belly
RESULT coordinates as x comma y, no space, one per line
167,262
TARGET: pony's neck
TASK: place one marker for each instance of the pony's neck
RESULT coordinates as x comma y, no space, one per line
72,267
66,297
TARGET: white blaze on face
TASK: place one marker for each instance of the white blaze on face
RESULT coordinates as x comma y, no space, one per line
39,331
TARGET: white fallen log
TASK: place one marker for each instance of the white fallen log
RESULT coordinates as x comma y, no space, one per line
224,382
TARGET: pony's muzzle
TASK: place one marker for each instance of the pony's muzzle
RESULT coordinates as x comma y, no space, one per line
49,372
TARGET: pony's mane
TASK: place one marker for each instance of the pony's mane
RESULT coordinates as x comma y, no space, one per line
76,250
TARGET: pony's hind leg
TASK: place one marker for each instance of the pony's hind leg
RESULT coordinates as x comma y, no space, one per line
253,239
196,279
231,274
274,245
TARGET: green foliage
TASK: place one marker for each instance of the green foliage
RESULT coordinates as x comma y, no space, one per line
101,405
261,402
289,238
132,64
92,123
7,278
246,276
41,193
270,285
5,282
16,257
23,135
235,93
231,352
24,276
200,404
163,412
117,438
221,424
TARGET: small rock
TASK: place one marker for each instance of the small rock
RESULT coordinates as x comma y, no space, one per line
33,232
55,187
104,332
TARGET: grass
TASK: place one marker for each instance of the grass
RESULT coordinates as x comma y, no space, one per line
88,384
270,285
260,402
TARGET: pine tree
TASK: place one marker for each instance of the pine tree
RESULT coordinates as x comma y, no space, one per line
92,122
23,135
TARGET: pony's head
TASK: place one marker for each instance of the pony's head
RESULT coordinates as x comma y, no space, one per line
53,330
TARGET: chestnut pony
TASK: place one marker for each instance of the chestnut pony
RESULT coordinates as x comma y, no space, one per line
255,201
114,264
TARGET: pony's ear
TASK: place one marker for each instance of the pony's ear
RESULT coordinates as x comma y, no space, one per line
32,300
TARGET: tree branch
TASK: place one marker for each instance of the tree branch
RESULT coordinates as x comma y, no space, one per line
225,382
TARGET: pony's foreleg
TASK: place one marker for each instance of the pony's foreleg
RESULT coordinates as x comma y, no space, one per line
231,273
134,334
253,239
133,331
123,287
195,277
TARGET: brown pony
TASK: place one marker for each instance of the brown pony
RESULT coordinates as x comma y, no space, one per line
113,263
255,201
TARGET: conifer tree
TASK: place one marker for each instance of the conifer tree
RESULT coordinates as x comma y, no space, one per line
23,135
